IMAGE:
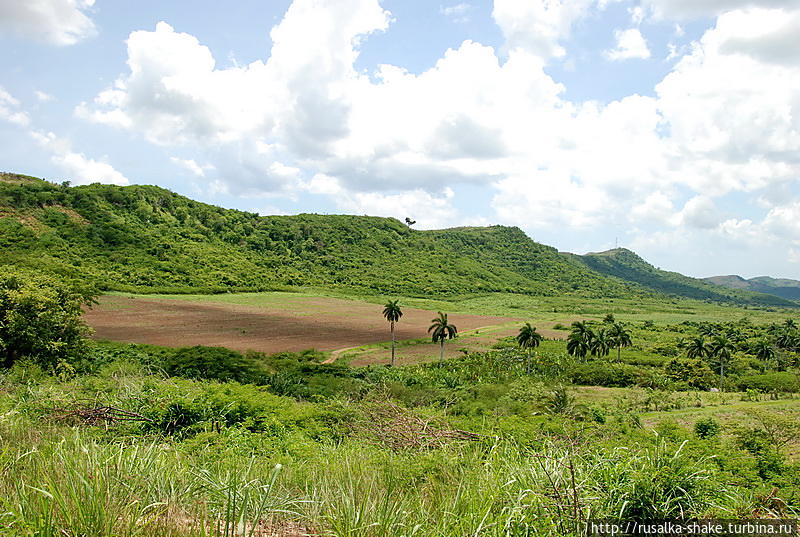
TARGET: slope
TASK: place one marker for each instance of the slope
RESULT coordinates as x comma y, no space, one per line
148,239
781,287
626,265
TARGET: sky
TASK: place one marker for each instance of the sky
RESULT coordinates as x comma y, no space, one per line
670,127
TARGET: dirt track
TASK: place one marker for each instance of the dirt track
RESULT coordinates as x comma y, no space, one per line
290,324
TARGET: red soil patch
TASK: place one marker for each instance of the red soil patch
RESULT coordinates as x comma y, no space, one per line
295,324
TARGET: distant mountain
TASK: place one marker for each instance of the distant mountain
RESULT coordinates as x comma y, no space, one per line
626,265
782,287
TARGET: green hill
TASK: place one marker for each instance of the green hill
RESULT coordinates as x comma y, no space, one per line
626,265
781,287
148,239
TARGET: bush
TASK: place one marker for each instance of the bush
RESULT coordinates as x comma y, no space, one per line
694,372
603,374
778,382
706,428
214,363
40,318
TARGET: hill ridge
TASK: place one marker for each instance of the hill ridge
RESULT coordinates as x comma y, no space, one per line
144,238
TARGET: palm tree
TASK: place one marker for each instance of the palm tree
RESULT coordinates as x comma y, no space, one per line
528,338
697,348
600,344
721,348
789,324
620,338
392,313
441,330
764,350
579,339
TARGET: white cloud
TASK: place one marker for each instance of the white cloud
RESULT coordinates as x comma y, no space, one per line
690,9
81,169
457,12
59,22
43,96
630,44
700,212
11,111
734,120
538,26
193,166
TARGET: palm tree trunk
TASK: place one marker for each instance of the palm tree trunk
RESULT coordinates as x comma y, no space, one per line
392,343
619,351
441,349
721,374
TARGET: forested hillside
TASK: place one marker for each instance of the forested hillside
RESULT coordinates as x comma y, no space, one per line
145,238
626,265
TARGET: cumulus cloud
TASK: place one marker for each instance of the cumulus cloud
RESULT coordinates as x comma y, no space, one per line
59,22
630,44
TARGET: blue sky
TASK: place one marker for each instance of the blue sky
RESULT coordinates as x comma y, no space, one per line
671,127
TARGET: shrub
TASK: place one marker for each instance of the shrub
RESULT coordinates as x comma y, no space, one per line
706,428
40,317
603,374
694,372
777,382
214,363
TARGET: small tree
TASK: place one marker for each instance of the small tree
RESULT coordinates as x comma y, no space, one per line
697,348
579,339
763,350
440,330
600,344
620,338
721,349
528,339
40,318
392,313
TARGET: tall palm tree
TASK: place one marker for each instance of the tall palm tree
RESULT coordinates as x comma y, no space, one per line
579,339
440,330
697,348
600,344
764,350
392,313
528,338
721,349
621,337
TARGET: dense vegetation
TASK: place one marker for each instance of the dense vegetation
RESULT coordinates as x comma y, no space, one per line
147,239
626,265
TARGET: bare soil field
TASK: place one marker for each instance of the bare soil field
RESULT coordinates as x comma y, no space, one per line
279,323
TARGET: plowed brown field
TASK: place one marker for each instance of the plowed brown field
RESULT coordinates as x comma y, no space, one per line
289,324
